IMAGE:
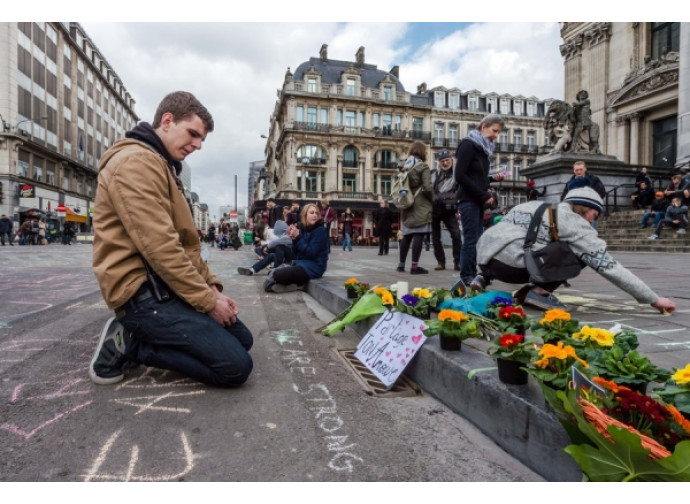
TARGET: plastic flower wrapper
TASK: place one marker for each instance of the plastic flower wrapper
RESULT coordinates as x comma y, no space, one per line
556,325
552,366
676,390
369,305
454,324
514,347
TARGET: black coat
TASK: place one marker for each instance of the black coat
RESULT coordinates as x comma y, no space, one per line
472,173
383,218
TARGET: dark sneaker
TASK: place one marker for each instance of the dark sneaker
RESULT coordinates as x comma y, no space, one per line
544,301
456,267
269,283
280,288
245,271
401,268
109,361
459,289
440,267
478,284
418,271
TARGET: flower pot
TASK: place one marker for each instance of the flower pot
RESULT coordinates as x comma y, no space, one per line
450,343
509,372
351,293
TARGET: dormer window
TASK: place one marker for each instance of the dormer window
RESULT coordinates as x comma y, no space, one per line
491,105
473,102
454,100
531,108
311,84
517,107
439,99
505,106
388,93
351,87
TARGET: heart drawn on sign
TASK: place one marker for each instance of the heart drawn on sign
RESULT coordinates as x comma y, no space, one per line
388,353
416,339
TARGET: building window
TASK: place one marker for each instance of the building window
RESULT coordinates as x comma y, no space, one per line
491,106
417,127
386,184
350,157
664,139
376,121
503,139
665,38
505,106
311,117
350,119
349,182
323,116
454,100
50,172
351,87
311,84
517,139
531,141
388,93
517,168
439,99
439,132
311,154
473,102
311,181
385,159
531,108
517,107
453,135
23,164
38,169
360,119
387,123
339,117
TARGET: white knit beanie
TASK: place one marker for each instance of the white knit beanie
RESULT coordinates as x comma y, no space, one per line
585,196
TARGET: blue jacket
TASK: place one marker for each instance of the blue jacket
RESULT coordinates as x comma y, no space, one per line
311,250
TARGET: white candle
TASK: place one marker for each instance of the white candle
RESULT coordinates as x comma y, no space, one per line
401,290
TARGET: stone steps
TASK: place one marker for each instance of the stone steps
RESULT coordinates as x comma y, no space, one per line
622,232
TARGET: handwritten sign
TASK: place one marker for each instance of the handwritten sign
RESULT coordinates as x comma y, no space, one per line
390,344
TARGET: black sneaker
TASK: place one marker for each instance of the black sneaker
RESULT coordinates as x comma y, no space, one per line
418,271
108,363
544,301
280,288
245,271
401,268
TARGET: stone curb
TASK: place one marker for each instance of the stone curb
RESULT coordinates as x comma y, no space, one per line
515,417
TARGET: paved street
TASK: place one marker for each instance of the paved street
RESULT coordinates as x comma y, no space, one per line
302,416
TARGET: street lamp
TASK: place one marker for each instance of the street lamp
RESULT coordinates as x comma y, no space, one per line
42,118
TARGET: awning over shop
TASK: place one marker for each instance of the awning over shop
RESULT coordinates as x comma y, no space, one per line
71,215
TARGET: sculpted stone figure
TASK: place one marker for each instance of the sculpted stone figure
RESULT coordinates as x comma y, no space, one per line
570,128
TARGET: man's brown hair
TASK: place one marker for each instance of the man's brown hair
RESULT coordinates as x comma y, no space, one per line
182,105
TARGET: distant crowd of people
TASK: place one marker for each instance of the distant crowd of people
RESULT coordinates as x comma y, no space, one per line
34,231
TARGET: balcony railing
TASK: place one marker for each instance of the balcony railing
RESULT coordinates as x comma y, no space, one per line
350,163
385,164
311,160
353,195
311,126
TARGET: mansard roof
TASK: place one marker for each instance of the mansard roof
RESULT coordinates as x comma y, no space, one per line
331,72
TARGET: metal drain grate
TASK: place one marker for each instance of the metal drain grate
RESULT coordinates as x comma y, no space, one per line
404,387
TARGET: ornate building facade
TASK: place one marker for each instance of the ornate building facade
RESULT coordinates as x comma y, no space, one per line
632,72
340,128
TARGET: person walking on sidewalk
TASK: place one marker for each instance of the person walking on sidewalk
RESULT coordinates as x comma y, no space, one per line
416,220
348,222
383,226
502,256
170,312
474,190
445,208
6,228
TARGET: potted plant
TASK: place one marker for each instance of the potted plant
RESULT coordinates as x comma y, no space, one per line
676,390
355,288
452,327
556,325
510,319
513,353
552,369
629,369
421,301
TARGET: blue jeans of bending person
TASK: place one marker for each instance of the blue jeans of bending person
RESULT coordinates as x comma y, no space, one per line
471,216
173,335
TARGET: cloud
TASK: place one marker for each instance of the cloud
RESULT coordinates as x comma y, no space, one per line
235,69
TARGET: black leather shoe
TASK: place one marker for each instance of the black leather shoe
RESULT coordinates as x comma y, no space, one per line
419,271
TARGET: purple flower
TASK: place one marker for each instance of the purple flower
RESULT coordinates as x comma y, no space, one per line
500,301
410,300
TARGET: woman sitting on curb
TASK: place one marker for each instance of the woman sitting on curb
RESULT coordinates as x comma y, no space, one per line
310,247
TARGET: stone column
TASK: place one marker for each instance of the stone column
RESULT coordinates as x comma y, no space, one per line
635,138
683,140
623,147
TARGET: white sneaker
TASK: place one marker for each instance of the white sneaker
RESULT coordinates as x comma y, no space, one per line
108,362
654,237
681,231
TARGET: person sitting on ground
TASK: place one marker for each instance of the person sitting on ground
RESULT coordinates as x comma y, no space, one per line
642,197
501,254
277,251
310,246
656,210
676,217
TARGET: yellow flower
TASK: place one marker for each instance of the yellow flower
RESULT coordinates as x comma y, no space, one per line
387,298
555,314
682,376
379,291
452,315
351,281
423,293
601,336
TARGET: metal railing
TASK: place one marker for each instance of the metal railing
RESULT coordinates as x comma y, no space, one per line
615,194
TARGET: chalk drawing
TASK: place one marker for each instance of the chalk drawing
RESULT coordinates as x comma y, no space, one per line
154,378
65,389
128,473
150,403
28,434
45,306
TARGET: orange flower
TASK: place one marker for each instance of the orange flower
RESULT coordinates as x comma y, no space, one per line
555,314
557,351
351,281
679,418
452,315
612,386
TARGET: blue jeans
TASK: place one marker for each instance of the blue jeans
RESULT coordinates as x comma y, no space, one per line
471,216
657,218
174,336
279,255
346,243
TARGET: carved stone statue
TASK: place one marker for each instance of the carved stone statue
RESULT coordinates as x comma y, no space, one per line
570,128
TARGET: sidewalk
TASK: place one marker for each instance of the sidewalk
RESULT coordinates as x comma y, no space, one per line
516,417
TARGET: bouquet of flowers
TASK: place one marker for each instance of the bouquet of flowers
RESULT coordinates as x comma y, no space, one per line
623,435
556,325
676,391
368,305
514,347
553,366
454,324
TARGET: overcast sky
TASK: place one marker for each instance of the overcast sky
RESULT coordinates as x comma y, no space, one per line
235,68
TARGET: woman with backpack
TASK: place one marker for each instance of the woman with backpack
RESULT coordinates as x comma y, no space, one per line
416,219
